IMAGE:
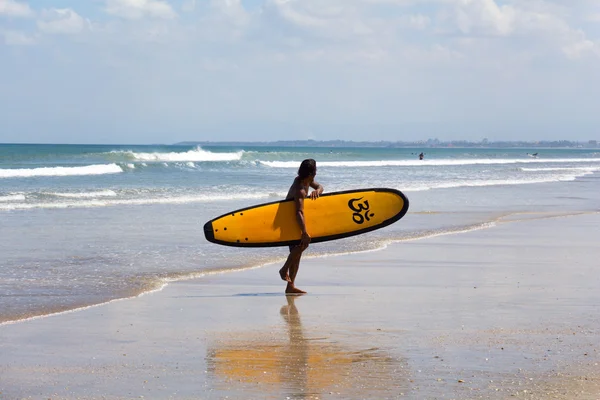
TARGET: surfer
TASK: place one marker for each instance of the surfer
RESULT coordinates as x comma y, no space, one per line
421,156
298,192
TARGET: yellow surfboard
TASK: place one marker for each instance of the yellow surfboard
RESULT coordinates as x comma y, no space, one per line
332,216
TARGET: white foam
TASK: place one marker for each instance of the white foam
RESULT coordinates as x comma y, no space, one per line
12,197
101,193
135,202
584,169
420,163
196,154
489,182
100,169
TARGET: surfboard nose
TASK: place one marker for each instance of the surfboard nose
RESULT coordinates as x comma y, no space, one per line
209,232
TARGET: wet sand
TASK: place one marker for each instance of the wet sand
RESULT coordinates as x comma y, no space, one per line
507,312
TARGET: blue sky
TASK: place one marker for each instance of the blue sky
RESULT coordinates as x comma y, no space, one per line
158,71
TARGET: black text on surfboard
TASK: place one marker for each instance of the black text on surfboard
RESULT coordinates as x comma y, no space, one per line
357,217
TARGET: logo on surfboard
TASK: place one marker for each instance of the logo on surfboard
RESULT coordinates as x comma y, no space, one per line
358,209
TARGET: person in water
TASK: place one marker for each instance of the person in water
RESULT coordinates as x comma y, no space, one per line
298,192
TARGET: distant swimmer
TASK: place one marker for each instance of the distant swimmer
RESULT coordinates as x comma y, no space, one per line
421,156
534,155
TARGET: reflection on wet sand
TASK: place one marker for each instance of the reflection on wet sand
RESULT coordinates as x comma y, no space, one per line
300,367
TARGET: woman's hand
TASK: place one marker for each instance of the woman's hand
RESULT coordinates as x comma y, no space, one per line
315,194
305,240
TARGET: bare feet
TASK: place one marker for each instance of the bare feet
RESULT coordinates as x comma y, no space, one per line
291,289
283,273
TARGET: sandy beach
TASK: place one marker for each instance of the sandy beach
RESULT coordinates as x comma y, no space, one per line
506,312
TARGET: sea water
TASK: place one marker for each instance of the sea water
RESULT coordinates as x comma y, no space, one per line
81,225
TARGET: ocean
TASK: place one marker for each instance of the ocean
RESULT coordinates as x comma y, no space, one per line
81,225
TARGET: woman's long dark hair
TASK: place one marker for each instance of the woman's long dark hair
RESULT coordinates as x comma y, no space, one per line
307,168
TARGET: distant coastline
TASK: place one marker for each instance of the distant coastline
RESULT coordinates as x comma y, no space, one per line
431,143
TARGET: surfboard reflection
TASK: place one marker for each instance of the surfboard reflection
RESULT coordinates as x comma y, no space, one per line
301,367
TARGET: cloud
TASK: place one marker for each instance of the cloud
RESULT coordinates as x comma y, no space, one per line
62,21
540,25
418,21
578,45
232,10
595,17
138,9
16,38
483,17
13,8
188,5
330,21
221,63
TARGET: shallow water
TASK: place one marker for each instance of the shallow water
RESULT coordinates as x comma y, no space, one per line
81,225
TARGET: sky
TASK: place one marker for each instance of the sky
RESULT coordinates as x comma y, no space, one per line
158,71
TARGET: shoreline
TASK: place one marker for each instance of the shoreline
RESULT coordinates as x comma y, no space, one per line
381,247
493,313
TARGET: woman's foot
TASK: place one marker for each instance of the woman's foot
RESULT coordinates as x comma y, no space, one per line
283,273
291,289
